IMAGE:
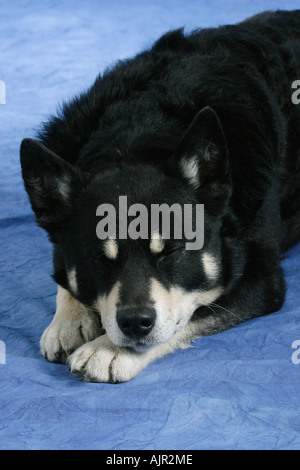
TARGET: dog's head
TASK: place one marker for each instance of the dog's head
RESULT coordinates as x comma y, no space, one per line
145,283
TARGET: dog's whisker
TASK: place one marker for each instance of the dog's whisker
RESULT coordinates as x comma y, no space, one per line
223,308
210,308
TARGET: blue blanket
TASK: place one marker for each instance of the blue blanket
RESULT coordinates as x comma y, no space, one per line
235,390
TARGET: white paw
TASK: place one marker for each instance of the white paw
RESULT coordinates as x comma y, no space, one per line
65,335
101,361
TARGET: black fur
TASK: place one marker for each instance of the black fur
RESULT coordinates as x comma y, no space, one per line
127,134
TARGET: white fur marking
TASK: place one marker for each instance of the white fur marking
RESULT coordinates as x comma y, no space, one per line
111,248
64,188
190,169
211,266
72,277
106,305
175,307
157,244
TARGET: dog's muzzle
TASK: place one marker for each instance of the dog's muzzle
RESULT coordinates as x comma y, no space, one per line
136,322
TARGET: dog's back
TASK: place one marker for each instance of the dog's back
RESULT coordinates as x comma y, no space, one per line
283,30
141,107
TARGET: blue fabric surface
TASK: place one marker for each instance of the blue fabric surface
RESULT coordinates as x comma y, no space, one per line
235,390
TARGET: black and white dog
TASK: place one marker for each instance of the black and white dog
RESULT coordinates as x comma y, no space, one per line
205,118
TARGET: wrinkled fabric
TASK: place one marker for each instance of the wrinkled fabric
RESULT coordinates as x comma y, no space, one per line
235,390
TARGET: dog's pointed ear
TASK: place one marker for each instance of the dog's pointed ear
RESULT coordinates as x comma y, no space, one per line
50,182
202,153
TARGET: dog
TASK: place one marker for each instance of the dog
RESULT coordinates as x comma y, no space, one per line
204,118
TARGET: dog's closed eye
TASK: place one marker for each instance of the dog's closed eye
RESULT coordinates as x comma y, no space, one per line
169,254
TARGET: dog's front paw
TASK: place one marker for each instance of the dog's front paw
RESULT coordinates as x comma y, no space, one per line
65,335
101,361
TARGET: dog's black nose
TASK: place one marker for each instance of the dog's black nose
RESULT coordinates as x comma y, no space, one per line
136,322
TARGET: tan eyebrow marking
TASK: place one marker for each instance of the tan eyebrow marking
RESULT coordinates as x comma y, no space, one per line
156,244
111,248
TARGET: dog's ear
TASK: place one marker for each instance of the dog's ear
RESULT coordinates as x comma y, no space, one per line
202,153
50,182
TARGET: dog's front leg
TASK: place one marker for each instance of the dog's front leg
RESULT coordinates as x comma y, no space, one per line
72,326
102,361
